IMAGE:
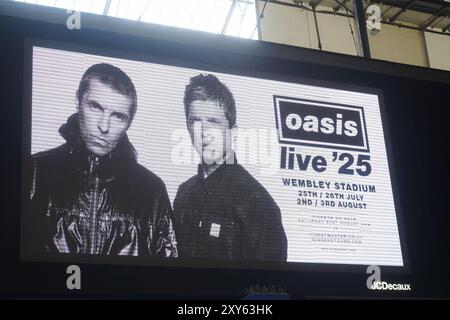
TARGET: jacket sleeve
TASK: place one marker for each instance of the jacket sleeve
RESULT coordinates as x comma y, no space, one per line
33,211
161,235
264,234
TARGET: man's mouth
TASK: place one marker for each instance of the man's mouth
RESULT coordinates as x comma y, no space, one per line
100,141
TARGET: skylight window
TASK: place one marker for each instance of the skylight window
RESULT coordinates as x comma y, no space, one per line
230,17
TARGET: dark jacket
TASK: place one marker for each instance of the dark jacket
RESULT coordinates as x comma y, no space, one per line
80,203
228,215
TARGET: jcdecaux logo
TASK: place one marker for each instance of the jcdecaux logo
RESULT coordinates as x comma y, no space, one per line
374,281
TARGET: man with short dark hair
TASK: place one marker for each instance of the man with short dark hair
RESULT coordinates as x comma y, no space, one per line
89,195
223,212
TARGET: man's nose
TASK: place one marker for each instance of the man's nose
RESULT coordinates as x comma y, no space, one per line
103,124
207,132
200,133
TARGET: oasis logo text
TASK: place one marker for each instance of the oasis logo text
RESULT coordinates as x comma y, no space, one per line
320,124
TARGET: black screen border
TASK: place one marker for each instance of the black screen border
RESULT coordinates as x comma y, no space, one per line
232,69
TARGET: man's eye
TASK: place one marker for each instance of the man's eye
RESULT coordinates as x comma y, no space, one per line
95,106
120,117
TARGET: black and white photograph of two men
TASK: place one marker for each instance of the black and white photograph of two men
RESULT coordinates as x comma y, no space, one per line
107,146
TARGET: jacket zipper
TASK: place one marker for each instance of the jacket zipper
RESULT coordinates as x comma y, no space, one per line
94,205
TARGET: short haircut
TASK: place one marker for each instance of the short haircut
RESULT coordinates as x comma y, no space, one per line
112,77
206,87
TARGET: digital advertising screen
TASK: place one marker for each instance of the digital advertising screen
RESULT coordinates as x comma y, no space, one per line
147,161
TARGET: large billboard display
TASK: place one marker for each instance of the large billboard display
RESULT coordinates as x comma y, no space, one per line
170,162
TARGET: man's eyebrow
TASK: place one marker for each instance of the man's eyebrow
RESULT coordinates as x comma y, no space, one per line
124,115
94,102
